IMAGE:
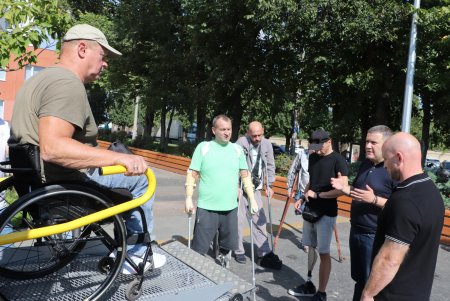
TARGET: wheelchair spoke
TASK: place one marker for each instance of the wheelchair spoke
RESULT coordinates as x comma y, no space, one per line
71,258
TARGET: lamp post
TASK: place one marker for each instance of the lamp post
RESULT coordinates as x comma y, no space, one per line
409,86
135,123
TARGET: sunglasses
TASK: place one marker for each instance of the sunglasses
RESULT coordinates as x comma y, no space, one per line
317,141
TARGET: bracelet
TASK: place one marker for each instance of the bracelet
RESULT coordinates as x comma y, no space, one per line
375,200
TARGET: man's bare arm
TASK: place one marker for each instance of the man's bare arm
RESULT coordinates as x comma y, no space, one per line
57,146
384,268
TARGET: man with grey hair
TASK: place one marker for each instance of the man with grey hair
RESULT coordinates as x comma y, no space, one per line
369,191
52,111
261,163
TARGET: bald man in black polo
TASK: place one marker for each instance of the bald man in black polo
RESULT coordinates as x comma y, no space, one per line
409,228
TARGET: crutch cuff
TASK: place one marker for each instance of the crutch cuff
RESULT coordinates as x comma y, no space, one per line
249,190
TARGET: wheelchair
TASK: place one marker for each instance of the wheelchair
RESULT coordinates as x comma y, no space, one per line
47,226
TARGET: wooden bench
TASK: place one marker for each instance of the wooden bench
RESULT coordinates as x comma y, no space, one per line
180,165
445,236
167,162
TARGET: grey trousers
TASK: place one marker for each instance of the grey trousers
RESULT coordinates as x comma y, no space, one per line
259,220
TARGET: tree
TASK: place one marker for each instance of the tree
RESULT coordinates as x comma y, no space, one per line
29,22
433,74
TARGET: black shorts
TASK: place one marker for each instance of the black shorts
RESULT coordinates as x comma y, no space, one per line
208,222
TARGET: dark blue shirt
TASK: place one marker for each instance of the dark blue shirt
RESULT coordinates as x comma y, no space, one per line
364,216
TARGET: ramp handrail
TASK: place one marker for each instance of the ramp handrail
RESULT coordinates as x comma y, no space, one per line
88,219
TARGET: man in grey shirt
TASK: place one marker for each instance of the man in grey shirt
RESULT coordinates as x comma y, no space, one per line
261,163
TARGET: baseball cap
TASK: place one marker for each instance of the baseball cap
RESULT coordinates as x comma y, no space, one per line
88,32
318,138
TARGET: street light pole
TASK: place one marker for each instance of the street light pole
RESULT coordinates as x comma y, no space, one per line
409,86
136,115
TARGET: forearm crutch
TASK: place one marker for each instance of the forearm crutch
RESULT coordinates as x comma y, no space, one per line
269,208
252,248
189,229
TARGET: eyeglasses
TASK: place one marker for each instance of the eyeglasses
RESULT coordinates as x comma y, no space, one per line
318,141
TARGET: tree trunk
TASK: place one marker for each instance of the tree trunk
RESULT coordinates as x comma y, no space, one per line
162,139
201,121
235,113
237,121
287,144
172,112
362,141
149,121
208,131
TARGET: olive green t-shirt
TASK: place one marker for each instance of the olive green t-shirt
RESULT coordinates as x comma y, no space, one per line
57,92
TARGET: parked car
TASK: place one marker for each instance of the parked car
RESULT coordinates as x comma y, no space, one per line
277,150
443,172
431,164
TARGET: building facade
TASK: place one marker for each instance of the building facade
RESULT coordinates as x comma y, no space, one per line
12,79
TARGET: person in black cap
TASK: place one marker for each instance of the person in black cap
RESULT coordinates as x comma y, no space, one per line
324,164
52,111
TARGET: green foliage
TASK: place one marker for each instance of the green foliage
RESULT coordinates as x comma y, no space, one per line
98,7
145,142
445,192
186,149
353,171
444,188
108,135
282,164
29,22
339,64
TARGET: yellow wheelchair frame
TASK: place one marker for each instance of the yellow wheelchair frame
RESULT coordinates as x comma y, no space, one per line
55,237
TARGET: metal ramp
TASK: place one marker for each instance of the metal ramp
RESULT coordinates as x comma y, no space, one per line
186,276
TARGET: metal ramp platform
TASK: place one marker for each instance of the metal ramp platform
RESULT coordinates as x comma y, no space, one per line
186,276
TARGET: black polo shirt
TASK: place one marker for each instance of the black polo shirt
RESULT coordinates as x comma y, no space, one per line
321,170
364,216
413,215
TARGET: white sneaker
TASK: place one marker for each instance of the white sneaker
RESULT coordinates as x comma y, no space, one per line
158,260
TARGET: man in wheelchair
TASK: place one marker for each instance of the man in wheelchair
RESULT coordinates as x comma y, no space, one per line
52,112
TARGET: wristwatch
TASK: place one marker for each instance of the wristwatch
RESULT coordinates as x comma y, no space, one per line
317,195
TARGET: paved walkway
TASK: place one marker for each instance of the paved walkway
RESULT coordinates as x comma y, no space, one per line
171,223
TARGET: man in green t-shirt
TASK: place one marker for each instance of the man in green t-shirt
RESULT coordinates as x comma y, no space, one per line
52,111
218,164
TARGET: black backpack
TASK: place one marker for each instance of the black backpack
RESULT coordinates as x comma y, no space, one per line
119,147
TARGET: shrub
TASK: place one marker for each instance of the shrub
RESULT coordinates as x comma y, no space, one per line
352,171
104,135
444,188
186,149
120,135
144,142
282,164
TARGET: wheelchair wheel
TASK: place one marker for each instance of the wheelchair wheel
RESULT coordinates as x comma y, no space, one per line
133,291
64,257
